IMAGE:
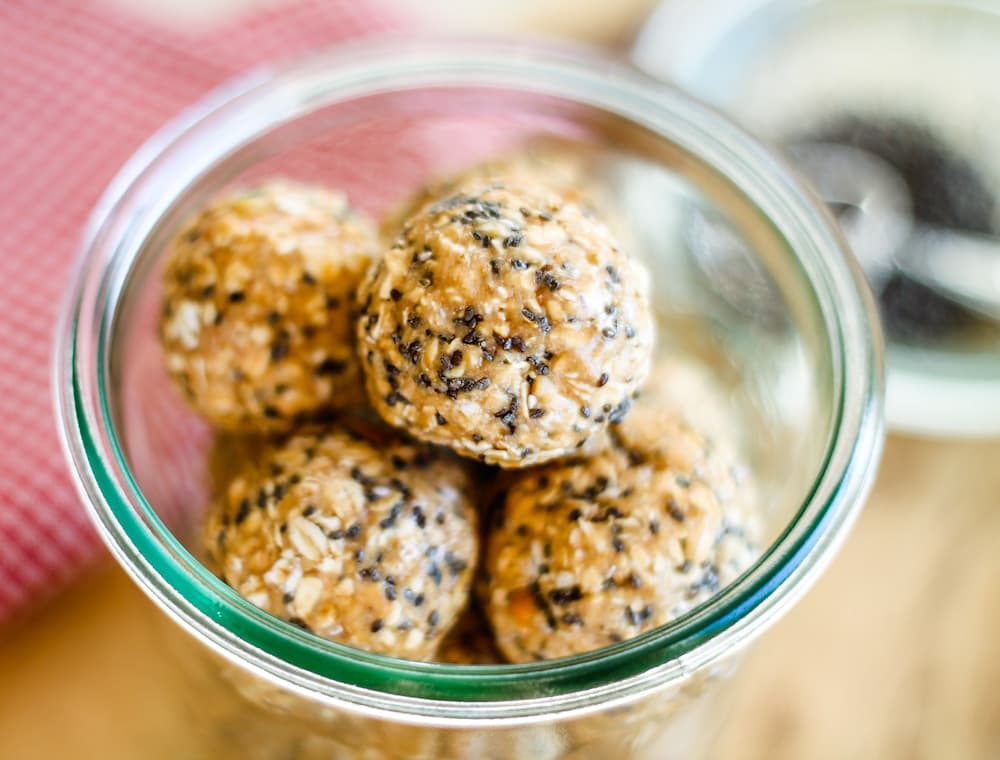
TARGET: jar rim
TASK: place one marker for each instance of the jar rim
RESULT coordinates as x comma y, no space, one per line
429,692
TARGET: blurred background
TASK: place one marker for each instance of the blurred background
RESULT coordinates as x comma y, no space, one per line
894,654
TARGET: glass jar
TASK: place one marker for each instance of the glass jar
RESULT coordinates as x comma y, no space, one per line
796,373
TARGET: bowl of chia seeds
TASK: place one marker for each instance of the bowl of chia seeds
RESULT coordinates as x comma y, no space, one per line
890,110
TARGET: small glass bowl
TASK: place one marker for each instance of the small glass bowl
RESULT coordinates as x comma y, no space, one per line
797,386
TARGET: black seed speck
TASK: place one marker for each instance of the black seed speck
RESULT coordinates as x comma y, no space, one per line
637,617
330,367
280,348
394,397
434,572
548,280
456,565
243,511
565,595
542,604
616,415
675,510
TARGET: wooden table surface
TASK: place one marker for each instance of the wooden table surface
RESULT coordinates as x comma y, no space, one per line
893,655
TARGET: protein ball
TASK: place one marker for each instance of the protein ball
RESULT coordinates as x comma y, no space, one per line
595,551
506,323
257,326
370,543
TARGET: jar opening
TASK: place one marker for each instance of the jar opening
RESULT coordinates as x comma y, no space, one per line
175,164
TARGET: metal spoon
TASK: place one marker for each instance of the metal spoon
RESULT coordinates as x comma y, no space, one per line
963,266
873,206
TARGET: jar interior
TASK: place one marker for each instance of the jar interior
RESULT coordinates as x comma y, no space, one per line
739,326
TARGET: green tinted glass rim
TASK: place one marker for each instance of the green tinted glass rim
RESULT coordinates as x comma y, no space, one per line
218,608
176,566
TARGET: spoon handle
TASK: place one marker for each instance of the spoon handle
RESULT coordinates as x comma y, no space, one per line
962,265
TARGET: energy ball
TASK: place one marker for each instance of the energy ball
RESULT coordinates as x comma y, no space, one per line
506,323
594,551
368,542
257,326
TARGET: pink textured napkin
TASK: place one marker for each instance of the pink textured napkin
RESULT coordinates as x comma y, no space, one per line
81,87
